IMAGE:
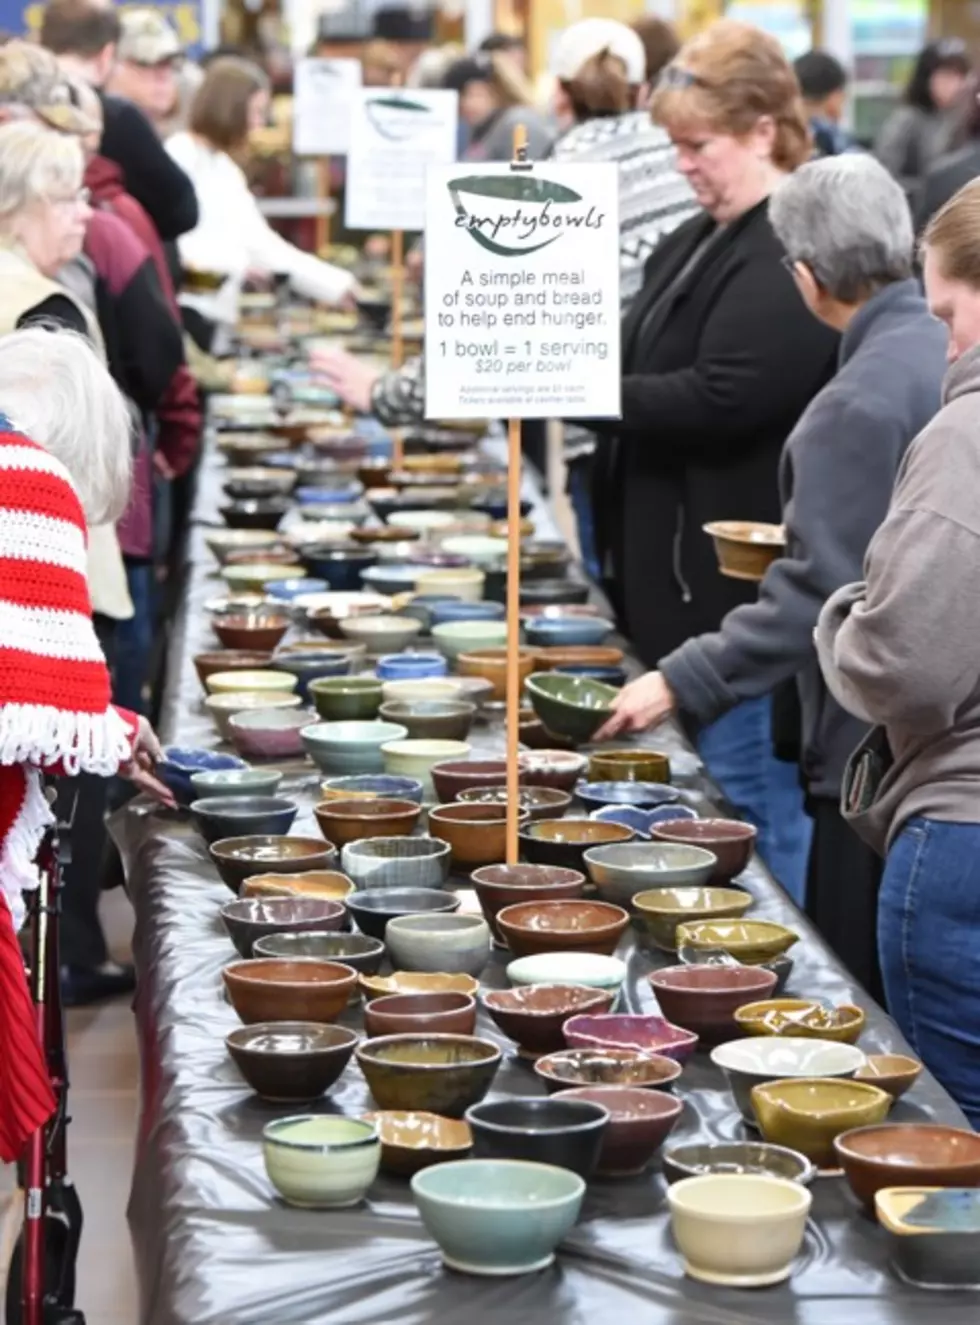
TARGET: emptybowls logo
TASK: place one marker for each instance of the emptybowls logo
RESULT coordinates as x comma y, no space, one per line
397,118
513,215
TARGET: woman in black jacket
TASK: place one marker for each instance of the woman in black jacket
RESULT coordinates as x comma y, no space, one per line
720,358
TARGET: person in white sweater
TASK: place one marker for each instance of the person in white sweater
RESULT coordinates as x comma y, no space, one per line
232,238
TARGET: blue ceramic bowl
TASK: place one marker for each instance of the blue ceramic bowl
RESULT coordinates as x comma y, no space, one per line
339,564
610,676
179,762
644,794
641,821
284,591
307,667
391,579
567,630
496,507
384,786
454,610
421,607
339,494
411,666
280,460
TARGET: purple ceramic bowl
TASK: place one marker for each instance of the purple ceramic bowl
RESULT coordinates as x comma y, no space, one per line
269,733
619,1030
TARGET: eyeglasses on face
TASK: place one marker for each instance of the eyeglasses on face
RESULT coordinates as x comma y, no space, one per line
676,76
81,198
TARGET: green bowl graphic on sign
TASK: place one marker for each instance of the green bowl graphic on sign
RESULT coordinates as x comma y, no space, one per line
397,118
513,215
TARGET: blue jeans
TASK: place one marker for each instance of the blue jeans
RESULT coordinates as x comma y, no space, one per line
134,638
928,928
737,751
580,496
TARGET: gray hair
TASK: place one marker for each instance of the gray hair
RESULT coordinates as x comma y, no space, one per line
36,163
846,219
55,390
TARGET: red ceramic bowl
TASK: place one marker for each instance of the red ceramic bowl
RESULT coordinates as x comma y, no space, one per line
498,886
405,1014
477,834
562,926
533,1015
648,1034
570,1068
907,1155
455,775
639,1123
704,999
731,840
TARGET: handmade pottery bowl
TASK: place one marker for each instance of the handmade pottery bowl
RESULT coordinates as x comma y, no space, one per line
549,1130
222,708
397,862
498,886
321,1162
568,968
552,768
642,821
801,1017
263,679
539,591
248,919
533,1015
478,549
349,748
741,1231
329,885
358,951
355,820
222,542
285,591
660,910
751,942
539,802
341,565
381,634
255,512
491,665
639,1123
412,1141
604,672
232,783
310,665
643,1031
750,1063
572,706
453,609
180,763
230,660
629,766
238,858
271,989
806,1114
561,925
451,776
564,842
411,666
698,1158
569,1068
405,1014
289,1062
933,1234
907,1154
704,999
417,759
439,942
565,631
237,816
453,638
624,871
895,1073
746,548
416,982
268,733
441,1073
477,834
372,786
646,795
254,630
434,719
429,688
461,582
373,908
253,576
729,839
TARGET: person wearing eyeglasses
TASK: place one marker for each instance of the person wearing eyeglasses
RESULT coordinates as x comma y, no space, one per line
919,131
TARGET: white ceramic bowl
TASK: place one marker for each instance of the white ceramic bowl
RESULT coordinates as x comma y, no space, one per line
321,1162
438,942
758,1059
481,549
430,687
417,758
568,968
459,582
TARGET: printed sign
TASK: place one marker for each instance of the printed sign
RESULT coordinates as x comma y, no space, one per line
522,303
394,137
322,91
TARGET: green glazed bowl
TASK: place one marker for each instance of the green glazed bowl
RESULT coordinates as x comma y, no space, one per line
572,706
346,697
441,1074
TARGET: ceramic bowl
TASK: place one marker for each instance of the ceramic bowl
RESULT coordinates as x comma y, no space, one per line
568,1068
268,733
801,1017
397,862
416,982
271,989
341,565
255,630
629,766
749,1063
222,542
232,783
236,816
230,660
438,719
704,999
933,1234
381,634
894,1073
642,821
441,1073
358,951
539,591
417,758
533,1015
238,858
264,679
253,576
604,672
549,1130
405,1014
478,549
452,638
574,630
660,910
439,942
552,768
349,748
538,802
572,706
180,763
373,908
564,842
250,918
452,776
639,1123
379,786
461,582
341,822
286,591
669,874
807,1113
453,609
222,708
729,839
310,665
498,886
746,548
426,522
697,1158
646,795
255,512
738,1230
329,885
751,942
907,1154
561,925
477,834
411,666
568,968
625,1030
412,1141
289,1062
427,689
321,1162
490,664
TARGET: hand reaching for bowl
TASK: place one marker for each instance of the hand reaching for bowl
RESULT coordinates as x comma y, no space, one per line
351,378
146,752
641,704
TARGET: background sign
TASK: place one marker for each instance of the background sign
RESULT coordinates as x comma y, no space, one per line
322,91
522,292
187,19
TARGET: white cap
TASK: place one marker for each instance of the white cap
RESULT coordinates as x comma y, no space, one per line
588,38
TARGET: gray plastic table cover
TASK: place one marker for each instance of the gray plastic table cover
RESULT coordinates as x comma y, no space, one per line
214,1245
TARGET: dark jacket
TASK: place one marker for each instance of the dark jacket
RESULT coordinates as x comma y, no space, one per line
152,176
836,481
946,177
711,390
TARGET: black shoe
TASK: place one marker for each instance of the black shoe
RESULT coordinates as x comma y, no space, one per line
81,985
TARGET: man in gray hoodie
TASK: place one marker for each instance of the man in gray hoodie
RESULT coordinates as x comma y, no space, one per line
847,231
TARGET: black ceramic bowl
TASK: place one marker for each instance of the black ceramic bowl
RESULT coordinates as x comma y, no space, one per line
240,816
374,907
340,564
554,591
252,918
359,951
568,1133
255,513
287,1062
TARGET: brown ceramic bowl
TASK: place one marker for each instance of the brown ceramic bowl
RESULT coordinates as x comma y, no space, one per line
746,548
705,998
607,1067
256,631
273,989
629,766
552,768
388,533
533,1015
455,775
907,1155
414,1140
287,1062
328,884
346,821
230,660
404,1014
584,655
498,886
442,1074
730,839
639,1123
477,834
894,1073
431,719
250,918
492,665
564,842
238,858
417,982
562,926
539,802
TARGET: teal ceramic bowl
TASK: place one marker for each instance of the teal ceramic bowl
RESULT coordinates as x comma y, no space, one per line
572,706
455,637
235,782
339,698
498,1216
349,748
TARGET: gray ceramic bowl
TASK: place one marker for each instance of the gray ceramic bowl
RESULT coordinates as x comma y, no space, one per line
236,782
374,908
430,942
349,748
359,951
238,816
701,1157
397,862
623,869
252,918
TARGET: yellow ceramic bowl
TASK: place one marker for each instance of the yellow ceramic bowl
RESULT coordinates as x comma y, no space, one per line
416,982
413,1140
253,576
272,682
661,910
330,885
806,1113
751,942
801,1017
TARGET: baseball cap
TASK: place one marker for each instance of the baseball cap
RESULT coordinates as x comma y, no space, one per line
588,38
145,37
31,78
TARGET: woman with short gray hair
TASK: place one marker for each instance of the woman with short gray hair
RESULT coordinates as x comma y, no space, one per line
845,225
